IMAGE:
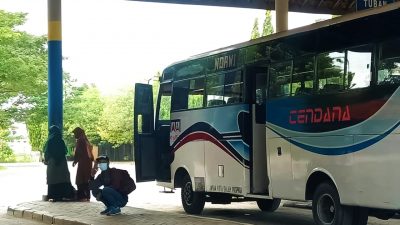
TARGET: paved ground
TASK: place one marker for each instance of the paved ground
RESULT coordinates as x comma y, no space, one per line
10,220
81,213
27,182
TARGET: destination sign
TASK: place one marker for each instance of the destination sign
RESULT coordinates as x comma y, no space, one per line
367,4
225,62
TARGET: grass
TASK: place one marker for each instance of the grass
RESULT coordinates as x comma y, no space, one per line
2,168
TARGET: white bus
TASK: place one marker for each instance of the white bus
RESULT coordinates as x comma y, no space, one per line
307,114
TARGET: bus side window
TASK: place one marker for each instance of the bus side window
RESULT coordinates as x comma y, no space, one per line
330,72
196,93
180,94
359,61
215,90
165,102
233,91
389,64
279,82
303,76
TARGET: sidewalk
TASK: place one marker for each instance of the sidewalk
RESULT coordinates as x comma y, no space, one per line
85,213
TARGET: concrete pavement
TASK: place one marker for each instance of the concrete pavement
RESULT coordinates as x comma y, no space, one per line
85,213
11,220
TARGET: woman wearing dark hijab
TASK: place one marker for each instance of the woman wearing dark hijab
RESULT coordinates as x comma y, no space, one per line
58,178
84,158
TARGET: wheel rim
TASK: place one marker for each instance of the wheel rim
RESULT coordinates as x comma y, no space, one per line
188,193
326,209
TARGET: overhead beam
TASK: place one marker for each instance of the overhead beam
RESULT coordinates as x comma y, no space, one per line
305,6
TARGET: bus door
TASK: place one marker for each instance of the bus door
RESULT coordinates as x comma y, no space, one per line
151,143
257,77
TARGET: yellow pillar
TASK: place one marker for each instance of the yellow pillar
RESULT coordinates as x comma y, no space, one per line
282,14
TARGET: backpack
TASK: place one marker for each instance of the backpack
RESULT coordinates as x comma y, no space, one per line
127,183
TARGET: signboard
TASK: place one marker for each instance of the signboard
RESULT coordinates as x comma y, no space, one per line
367,4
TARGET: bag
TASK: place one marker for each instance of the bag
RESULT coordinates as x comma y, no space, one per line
127,183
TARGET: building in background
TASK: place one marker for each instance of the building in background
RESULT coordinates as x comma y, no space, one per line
20,145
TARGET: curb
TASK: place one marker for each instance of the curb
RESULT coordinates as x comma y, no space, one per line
41,216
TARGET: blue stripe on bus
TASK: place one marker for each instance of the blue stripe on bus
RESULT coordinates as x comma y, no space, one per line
340,150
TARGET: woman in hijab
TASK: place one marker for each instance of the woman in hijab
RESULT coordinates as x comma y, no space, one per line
58,178
84,158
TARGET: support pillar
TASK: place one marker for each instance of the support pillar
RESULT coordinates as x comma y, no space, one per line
55,78
282,14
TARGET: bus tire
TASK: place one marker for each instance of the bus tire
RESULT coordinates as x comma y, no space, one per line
360,216
192,202
327,209
268,205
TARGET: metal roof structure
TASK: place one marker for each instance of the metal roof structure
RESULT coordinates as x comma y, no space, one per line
334,7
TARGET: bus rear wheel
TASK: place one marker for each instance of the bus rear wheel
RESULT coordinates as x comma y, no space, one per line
268,205
192,202
327,209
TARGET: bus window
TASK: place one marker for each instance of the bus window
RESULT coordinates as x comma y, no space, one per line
196,93
330,72
233,91
359,62
389,64
279,83
215,91
180,95
303,76
165,102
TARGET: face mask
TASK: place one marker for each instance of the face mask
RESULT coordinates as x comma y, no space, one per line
103,166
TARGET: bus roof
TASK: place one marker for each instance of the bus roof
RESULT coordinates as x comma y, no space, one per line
314,26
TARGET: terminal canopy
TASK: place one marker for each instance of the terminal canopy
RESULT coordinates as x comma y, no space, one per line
334,7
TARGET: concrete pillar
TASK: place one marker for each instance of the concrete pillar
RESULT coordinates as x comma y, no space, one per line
55,79
282,14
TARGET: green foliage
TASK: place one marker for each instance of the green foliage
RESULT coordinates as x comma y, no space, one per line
116,122
255,33
83,107
6,154
36,122
267,25
23,76
37,135
23,158
23,67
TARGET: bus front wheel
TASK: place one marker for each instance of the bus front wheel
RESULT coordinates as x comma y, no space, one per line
268,205
192,202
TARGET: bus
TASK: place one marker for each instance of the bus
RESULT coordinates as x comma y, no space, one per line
309,114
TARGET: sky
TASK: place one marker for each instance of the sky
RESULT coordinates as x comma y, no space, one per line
115,43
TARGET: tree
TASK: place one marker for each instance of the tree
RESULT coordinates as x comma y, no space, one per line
6,154
255,33
116,121
36,118
23,67
83,107
267,25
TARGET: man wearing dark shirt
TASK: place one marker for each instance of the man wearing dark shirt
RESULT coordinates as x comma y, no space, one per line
116,188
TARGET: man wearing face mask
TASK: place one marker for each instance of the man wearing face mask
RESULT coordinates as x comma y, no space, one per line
117,184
